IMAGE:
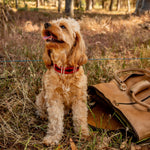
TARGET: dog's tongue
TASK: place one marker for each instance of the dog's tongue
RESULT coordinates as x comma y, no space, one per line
47,37
51,37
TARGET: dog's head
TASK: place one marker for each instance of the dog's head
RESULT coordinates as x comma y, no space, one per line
64,44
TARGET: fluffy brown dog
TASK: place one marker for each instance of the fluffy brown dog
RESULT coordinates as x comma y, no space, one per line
64,83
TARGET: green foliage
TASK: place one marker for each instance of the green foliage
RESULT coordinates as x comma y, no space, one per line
34,9
22,9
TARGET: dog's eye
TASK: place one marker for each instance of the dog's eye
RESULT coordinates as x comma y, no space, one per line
63,27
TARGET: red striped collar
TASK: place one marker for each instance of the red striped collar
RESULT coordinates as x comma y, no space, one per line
65,70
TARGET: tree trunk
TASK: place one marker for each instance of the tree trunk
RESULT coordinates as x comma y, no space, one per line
145,5
93,3
77,3
69,7
88,4
141,6
137,7
42,2
118,5
111,5
37,3
128,5
59,6
24,1
16,3
133,3
103,4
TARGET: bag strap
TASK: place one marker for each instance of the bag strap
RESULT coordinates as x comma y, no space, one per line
136,88
142,85
121,83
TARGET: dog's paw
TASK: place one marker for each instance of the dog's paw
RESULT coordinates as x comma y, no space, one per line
85,132
51,140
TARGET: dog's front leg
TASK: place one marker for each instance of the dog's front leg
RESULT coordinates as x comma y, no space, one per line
79,110
55,110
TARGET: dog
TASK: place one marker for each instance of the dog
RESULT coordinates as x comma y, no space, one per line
64,85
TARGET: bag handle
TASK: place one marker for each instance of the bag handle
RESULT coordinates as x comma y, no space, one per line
142,85
121,83
138,87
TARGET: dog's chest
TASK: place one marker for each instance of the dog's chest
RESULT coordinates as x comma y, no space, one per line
67,93
62,87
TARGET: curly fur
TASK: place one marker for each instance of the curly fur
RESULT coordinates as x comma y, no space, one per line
61,92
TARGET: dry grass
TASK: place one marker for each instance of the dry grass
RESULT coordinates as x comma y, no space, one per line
106,36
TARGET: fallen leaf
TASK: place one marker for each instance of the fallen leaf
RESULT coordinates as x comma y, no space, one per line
59,147
123,144
72,144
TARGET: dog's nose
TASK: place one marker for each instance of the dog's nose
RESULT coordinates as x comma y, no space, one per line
46,25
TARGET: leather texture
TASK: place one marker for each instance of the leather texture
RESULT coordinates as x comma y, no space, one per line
131,104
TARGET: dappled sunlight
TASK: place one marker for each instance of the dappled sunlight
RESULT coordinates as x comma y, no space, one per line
29,27
104,34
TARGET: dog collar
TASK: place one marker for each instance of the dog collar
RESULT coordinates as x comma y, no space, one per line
65,70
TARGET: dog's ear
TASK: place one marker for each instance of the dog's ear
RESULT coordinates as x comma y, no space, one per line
77,56
47,58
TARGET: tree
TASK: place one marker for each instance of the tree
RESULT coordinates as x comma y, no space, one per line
141,6
24,1
16,3
103,4
59,6
37,3
128,5
118,5
111,5
93,3
77,3
42,2
145,5
69,9
89,4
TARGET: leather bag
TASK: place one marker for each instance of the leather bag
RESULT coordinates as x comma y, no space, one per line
123,103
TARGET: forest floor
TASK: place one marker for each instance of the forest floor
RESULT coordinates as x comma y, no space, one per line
107,36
